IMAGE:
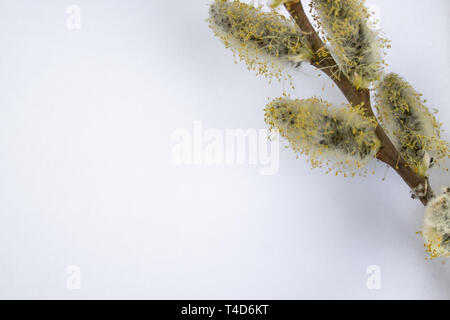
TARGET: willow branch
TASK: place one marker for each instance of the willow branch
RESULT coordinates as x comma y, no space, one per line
388,153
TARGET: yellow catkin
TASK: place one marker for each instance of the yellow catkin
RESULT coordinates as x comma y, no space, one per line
411,126
266,41
436,226
357,49
313,127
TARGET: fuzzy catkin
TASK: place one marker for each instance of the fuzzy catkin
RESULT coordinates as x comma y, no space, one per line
436,226
323,132
356,48
266,41
411,126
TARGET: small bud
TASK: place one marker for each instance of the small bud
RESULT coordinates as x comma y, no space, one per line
356,48
266,41
413,129
436,227
324,132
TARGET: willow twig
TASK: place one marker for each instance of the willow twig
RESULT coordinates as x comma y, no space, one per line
388,153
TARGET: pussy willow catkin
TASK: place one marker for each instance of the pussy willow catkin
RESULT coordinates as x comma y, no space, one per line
266,41
325,133
436,227
413,129
357,49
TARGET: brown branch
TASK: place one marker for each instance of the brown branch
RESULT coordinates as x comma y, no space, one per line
388,153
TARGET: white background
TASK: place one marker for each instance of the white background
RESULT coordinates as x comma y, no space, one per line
87,177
